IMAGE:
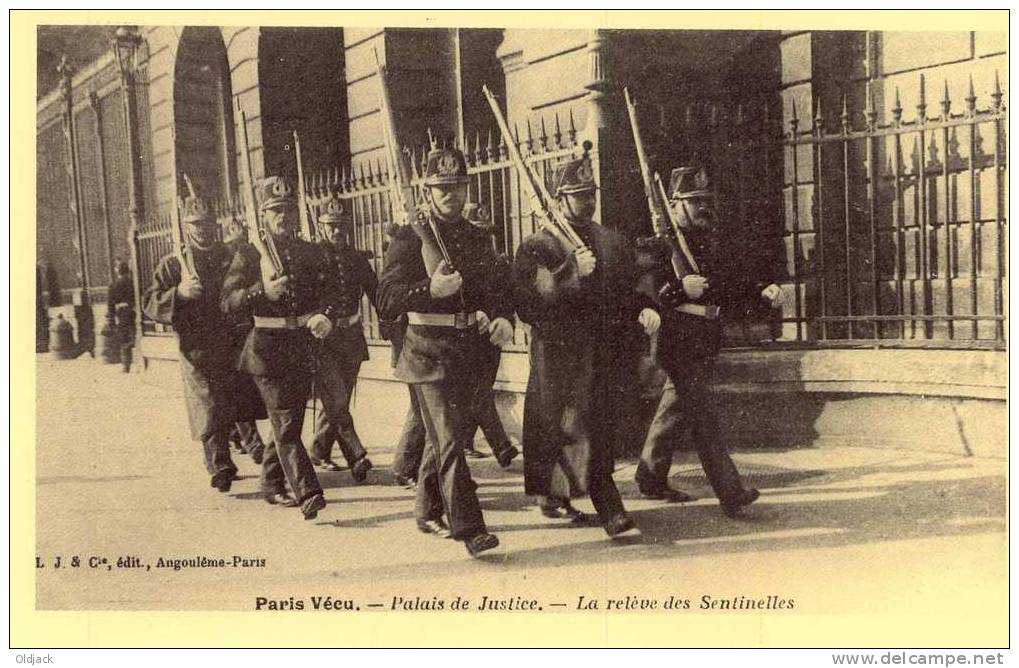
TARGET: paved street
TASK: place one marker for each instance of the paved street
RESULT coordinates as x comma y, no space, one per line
853,531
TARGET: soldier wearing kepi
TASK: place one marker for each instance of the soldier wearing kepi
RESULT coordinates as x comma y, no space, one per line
445,341
689,341
244,434
486,416
585,316
292,306
345,347
190,302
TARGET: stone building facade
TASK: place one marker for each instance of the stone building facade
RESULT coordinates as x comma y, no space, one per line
863,171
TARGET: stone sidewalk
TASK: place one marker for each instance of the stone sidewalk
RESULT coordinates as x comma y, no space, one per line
839,530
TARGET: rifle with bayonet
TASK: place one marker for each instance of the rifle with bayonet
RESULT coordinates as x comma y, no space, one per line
270,263
307,228
549,218
433,249
663,221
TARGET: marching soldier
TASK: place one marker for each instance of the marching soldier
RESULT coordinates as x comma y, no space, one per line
120,312
454,316
582,329
292,312
244,434
411,446
190,302
345,347
688,343
486,416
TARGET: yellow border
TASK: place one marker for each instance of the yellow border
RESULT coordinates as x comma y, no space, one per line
83,629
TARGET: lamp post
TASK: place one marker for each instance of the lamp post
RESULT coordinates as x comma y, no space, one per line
126,43
82,301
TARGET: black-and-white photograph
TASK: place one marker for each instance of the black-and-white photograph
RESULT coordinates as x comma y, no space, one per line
705,324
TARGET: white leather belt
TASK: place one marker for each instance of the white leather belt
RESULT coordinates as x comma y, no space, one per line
289,322
458,320
348,320
709,311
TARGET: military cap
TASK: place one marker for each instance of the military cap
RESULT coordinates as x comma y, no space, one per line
390,229
689,182
478,216
334,213
445,166
274,191
573,176
195,210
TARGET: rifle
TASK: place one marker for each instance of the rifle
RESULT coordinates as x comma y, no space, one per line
302,196
676,229
401,194
269,263
657,200
181,248
541,202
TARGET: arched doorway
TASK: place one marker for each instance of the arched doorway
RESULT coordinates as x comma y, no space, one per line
203,113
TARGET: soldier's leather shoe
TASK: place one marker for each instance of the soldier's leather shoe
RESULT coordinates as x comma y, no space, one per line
619,525
506,455
579,517
481,542
406,482
360,468
223,483
257,453
666,493
311,506
436,527
280,499
329,465
732,506
470,452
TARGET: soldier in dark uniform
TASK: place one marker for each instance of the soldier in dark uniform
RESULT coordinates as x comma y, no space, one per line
486,416
586,316
689,341
346,347
190,302
444,345
292,312
244,432
120,312
411,446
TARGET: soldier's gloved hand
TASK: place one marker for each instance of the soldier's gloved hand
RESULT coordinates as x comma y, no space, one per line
586,261
649,320
694,285
445,282
502,332
773,294
189,287
276,288
320,326
484,324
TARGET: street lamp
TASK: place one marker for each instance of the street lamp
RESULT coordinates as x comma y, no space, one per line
126,43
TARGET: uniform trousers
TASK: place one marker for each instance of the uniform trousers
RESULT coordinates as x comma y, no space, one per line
688,404
337,426
285,459
407,460
485,414
444,482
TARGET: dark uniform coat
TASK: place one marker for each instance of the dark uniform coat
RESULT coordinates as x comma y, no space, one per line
584,340
312,289
354,277
204,336
430,353
120,307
